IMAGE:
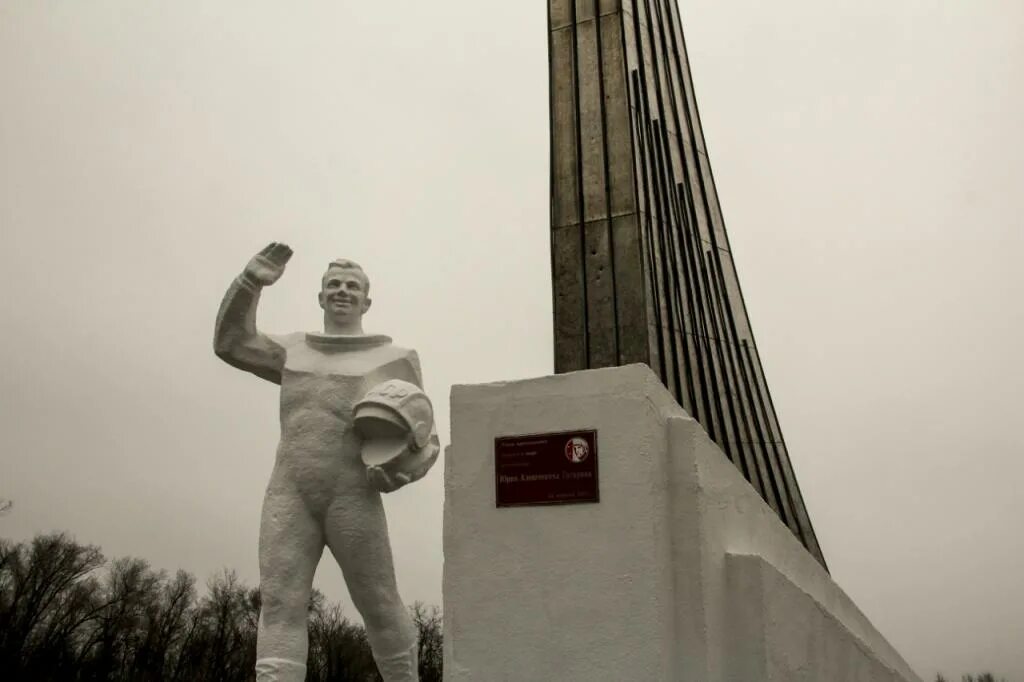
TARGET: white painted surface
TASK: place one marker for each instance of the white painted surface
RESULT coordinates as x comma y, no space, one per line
681,572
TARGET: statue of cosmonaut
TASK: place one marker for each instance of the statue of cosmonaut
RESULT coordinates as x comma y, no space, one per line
331,467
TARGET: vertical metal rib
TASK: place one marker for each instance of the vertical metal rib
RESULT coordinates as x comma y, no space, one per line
755,464
806,533
574,29
607,175
648,222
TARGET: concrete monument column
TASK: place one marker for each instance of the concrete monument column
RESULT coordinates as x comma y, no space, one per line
642,264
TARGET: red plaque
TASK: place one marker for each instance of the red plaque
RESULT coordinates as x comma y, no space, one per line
548,468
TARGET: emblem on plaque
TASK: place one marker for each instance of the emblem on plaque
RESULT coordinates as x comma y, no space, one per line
576,450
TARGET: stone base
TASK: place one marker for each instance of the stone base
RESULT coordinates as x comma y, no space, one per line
680,573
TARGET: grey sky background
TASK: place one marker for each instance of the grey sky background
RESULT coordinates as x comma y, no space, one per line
870,162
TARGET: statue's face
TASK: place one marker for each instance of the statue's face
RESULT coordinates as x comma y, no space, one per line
344,294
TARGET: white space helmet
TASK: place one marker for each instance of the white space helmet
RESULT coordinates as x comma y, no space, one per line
394,419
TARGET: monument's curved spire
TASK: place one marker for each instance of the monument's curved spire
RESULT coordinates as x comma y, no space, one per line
642,267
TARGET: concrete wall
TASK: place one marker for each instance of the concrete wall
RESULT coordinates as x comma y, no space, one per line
681,572
779,632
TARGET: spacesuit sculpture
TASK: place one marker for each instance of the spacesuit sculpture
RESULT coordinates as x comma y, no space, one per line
320,492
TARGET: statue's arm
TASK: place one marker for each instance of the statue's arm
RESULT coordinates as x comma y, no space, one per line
235,338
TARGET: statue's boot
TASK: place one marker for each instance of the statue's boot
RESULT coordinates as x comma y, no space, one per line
400,667
279,670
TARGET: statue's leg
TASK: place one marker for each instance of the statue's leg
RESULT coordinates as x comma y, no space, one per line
291,543
357,534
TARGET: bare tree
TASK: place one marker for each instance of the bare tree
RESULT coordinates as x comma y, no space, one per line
39,584
164,628
428,625
67,614
338,648
983,677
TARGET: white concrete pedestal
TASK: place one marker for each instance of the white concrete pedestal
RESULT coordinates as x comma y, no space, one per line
680,573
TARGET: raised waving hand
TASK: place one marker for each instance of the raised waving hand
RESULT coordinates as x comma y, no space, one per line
267,266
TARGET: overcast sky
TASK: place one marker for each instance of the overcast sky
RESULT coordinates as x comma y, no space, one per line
870,162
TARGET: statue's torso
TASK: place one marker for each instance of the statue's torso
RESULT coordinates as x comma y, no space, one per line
323,379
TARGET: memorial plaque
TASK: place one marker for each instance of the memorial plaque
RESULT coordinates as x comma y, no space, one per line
547,468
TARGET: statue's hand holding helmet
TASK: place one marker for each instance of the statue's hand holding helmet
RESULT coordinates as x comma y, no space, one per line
395,420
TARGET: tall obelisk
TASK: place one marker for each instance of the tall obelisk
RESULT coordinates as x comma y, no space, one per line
643,270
